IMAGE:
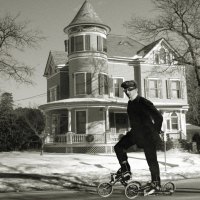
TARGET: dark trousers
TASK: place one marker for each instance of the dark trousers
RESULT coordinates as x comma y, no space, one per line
149,150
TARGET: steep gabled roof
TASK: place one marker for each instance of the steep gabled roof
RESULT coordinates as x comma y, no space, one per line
122,46
57,57
146,49
86,16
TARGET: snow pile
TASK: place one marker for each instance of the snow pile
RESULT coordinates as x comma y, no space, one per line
25,171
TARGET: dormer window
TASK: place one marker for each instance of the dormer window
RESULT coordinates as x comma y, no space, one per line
161,57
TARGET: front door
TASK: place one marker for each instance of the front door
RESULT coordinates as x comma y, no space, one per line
81,122
121,122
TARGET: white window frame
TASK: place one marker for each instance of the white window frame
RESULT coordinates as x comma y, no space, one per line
155,89
54,88
84,43
169,88
179,91
169,118
114,78
159,88
85,83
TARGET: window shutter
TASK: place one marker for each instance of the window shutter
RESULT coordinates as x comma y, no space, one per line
111,89
112,120
100,84
72,44
48,95
146,87
57,92
88,83
160,89
168,89
87,42
121,93
182,94
66,45
99,43
106,84
104,45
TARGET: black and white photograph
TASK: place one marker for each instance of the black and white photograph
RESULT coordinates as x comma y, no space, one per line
99,99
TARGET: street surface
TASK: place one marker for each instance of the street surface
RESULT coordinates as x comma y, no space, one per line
188,189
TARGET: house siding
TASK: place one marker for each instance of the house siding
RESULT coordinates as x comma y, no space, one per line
91,65
64,85
147,71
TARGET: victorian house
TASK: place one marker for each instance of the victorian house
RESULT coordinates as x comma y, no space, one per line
86,107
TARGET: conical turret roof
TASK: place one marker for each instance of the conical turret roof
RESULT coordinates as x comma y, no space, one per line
86,16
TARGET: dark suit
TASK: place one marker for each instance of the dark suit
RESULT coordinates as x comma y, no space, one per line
146,122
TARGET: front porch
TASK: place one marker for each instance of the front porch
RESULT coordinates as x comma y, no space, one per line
79,143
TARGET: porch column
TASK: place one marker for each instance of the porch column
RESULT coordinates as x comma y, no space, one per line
183,134
107,118
48,127
69,120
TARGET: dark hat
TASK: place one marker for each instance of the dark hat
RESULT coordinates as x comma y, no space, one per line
129,84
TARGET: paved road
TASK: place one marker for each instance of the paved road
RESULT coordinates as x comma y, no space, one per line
186,190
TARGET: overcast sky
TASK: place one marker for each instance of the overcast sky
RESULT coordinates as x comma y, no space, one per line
51,17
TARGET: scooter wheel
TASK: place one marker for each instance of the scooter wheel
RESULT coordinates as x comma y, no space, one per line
168,188
131,191
104,189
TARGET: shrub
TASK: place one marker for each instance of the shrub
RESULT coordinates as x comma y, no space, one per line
169,145
185,145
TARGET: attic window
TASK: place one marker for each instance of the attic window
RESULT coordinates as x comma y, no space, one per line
161,57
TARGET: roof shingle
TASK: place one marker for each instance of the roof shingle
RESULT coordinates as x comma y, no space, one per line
122,46
86,15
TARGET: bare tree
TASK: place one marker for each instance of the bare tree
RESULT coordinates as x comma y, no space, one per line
35,121
16,36
193,114
178,21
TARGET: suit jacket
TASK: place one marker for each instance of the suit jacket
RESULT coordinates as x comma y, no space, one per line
145,120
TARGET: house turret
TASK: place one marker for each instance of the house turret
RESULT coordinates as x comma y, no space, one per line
87,53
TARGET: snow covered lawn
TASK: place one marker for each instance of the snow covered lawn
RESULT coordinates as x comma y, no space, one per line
25,171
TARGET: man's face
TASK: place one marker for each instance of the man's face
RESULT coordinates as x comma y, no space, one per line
131,93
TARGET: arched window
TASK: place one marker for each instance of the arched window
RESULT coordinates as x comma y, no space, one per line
174,121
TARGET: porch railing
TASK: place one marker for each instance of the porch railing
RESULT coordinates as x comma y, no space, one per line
72,138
